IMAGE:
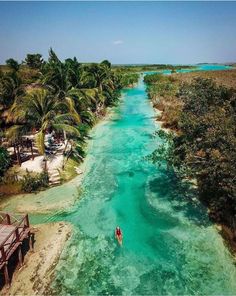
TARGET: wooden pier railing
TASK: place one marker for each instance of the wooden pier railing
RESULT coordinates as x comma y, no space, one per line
13,230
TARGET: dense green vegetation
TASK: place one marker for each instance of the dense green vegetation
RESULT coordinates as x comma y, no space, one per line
65,98
34,61
203,146
128,79
32,183
55,95
161,90
152,67
4,161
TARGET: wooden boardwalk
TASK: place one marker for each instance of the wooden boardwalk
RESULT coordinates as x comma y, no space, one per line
13,230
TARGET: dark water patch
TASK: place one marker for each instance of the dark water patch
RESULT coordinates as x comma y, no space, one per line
168,187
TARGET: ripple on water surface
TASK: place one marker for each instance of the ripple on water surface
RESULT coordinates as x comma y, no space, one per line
170,247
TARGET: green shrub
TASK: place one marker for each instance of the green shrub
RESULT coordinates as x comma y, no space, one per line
153,78
32,183
129,79
5,161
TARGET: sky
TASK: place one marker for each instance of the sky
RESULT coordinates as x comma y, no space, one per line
122,32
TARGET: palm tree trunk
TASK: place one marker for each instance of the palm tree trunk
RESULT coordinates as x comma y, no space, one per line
18,155
45,163
64,154
65,137
15,153
31,148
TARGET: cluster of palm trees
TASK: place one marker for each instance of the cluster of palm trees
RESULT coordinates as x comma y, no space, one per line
65,97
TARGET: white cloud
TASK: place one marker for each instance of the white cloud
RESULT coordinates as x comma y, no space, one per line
117,42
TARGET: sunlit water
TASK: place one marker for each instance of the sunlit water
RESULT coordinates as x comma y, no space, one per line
169,245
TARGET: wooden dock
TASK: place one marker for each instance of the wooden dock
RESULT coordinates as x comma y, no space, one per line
13,230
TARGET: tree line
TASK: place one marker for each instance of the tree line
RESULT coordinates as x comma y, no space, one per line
203,144
66,97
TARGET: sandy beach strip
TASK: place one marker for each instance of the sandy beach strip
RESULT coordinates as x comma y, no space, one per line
36,275
54,198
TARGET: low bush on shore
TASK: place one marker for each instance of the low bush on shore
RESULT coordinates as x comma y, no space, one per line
5,161
34,182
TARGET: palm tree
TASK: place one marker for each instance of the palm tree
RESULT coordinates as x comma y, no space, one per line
102,76
43,111
10,88
56,78
84,100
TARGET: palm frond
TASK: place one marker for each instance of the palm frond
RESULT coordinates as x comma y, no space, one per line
71,130
15,132
40,137
72,110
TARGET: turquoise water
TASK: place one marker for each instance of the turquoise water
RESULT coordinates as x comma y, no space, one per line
202,67
169,246
209,67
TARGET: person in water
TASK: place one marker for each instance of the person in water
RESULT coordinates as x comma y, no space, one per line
118,235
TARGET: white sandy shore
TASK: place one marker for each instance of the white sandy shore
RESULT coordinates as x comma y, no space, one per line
37,165
35,277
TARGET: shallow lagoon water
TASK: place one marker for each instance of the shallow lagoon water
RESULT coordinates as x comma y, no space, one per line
169,247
